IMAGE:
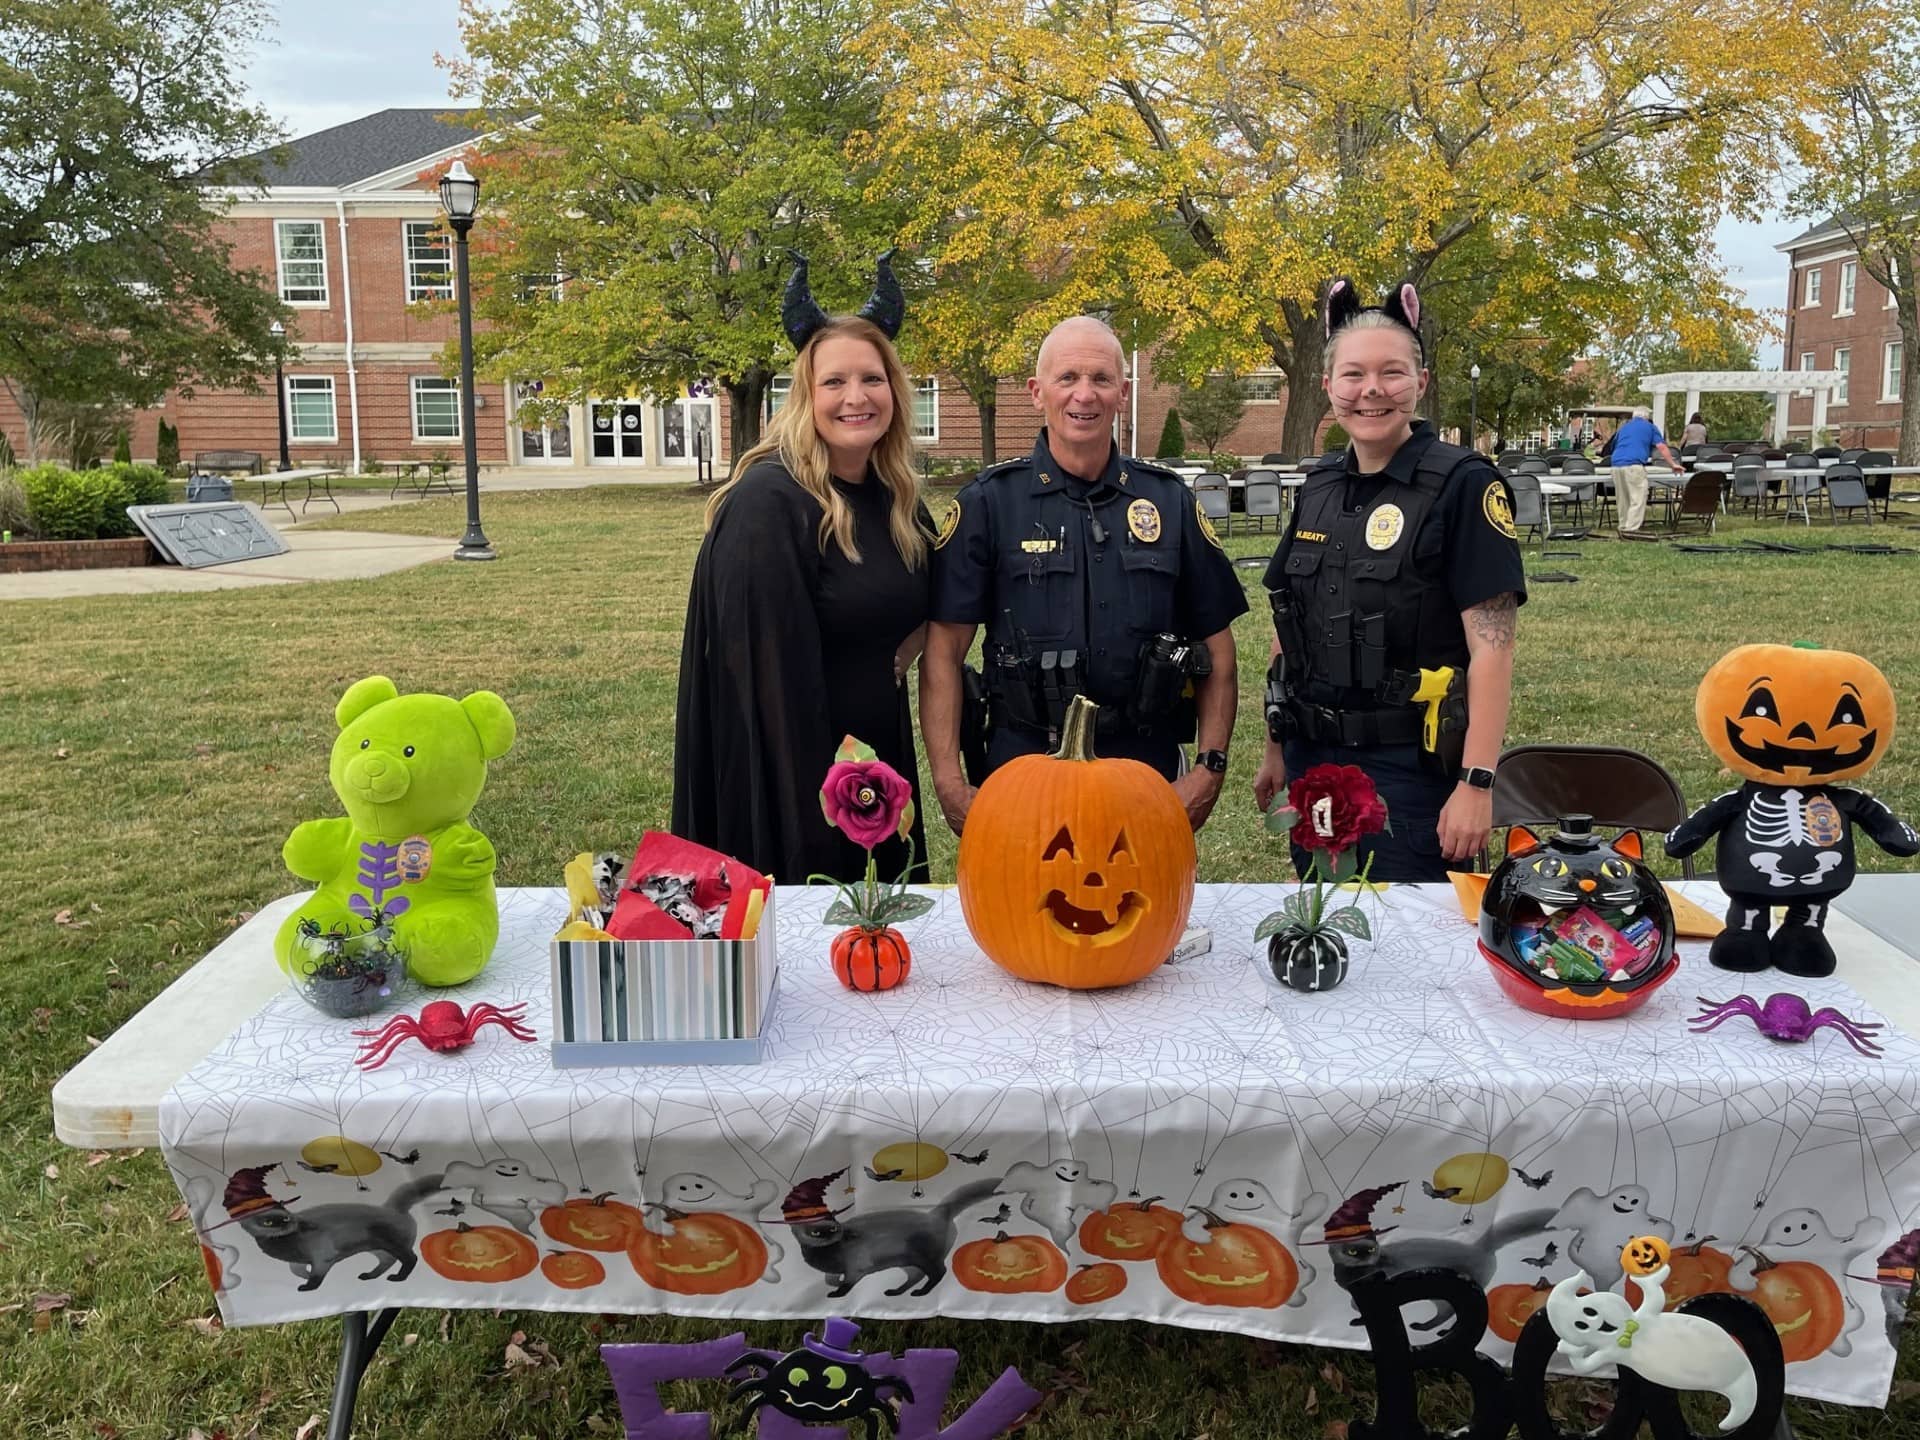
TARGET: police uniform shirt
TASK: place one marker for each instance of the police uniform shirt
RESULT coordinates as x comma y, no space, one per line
1468,540
1048,561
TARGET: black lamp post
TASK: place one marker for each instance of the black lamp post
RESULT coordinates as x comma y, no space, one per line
1473,407
279,333
460,197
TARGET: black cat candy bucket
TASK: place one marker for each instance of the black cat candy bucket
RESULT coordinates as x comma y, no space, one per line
1577,926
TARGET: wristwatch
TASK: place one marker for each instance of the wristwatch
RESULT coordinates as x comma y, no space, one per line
1214,760
1477,776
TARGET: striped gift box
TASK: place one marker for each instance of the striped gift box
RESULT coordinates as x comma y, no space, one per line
663,1002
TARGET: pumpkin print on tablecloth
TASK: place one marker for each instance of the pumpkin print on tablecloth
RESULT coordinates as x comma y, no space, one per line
1509,1307
1134,1231
1092,1284
573,1270
1805,1306
480,1254
1113,853
598,1223
1010,1265
1794,715
1240,1265
707,1254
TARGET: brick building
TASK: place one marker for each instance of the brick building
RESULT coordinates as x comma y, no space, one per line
353,239
1841,318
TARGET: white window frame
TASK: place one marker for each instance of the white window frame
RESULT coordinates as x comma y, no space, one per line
1807,359
1890,373
312,384
280,266
1849,287
1264,378
928,385
780,386
1843,362
1810,288
414,266
443,386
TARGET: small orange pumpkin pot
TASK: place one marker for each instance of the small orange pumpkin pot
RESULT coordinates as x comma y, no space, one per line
1092,1284
480,1254
1129,1232
871,959
573,1270
1240,1265
1073,870
598,1223
1010,1265
707,1254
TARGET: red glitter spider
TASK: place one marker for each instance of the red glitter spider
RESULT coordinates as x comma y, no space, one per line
442,1025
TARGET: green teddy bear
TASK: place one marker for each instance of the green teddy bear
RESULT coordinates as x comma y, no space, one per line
408,768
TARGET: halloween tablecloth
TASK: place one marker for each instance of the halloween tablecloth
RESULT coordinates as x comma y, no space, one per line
971,1145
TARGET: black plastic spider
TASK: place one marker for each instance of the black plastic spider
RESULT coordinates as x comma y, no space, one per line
816,1391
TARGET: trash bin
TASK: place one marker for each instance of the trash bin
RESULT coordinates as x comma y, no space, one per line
202,489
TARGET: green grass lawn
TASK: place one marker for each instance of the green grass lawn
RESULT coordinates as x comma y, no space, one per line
154,752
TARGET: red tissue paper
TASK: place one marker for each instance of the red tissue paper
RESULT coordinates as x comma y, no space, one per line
719,882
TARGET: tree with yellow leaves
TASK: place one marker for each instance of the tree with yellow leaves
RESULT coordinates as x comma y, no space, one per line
1207,164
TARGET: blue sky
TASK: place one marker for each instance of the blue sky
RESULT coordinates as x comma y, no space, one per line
328,64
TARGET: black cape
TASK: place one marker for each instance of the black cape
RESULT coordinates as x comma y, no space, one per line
789,648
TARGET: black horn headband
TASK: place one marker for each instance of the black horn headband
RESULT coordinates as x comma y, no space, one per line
802,318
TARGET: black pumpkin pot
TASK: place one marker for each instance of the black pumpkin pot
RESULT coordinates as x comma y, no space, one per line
1307,960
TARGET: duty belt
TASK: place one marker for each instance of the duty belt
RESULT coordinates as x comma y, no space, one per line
1325,725
1111,723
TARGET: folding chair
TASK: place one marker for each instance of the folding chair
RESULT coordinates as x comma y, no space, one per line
1263,498
1215,503
1619,788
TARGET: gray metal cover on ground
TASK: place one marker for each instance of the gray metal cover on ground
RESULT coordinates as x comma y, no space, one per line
198,536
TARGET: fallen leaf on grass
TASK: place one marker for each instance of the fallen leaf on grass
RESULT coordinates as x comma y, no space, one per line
62,753
208,1325
1313,1400
1335,1430
1336,1382
52,1172
106,1431
1905,1390
98,1157
177,1214
47,1301
114,1182
518,1358
63,917
411,1338
202,749
305,1432
599,1424
42,1018
9,1309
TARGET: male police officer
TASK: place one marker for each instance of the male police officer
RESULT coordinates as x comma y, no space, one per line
1095,574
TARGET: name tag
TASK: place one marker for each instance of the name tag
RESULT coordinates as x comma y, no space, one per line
1039,547
1313,535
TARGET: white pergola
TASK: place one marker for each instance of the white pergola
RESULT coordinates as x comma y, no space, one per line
1779,383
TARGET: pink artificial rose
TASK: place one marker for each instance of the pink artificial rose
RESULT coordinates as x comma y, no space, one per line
867,800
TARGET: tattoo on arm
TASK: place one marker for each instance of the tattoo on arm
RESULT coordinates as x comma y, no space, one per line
1493,620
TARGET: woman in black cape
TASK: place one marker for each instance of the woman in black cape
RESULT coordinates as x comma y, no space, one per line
809,604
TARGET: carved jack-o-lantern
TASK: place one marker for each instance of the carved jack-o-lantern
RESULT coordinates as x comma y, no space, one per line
1076,871
1793,715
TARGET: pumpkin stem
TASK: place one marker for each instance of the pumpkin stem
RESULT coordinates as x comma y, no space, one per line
1213,1221
603,1197
1150,1201
463,1227
1001,1237
1076,731
1761,1263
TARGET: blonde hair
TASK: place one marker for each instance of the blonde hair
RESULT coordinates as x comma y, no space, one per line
791,439
1371,320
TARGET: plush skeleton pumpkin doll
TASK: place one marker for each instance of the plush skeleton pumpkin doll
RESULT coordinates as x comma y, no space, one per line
1792,720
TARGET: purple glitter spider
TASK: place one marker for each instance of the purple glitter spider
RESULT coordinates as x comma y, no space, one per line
1785,1017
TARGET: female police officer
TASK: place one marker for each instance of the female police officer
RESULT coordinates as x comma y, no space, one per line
1394,595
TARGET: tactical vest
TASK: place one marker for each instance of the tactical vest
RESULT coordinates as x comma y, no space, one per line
1359,612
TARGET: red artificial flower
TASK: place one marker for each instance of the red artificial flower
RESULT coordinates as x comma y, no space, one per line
1354,812
865,798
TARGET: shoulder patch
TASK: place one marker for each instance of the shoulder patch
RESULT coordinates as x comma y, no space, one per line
1498,509
949,522
1206,525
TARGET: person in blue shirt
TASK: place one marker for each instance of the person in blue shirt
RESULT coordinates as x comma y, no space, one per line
1633,445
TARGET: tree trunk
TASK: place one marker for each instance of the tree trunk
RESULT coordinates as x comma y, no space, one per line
989,418
1299,361
746,398
29,420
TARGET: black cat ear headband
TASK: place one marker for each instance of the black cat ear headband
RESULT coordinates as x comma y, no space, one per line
802,318
1402,306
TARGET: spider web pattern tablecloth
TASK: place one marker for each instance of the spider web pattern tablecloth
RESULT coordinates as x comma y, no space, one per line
1204,1085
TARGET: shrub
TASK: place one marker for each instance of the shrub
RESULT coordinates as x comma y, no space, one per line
62,504
1173,439
123,449
166,448
148,483
13,507
370,465
116,491
1335,438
